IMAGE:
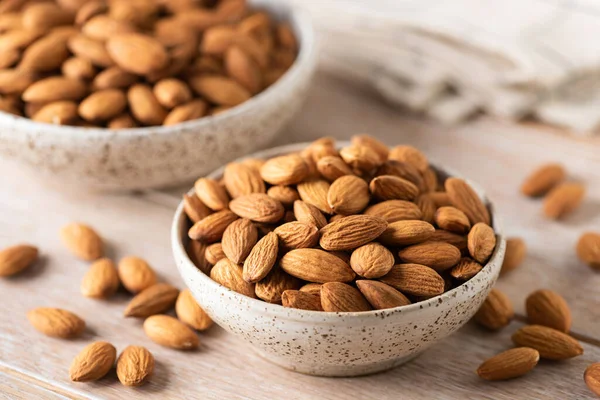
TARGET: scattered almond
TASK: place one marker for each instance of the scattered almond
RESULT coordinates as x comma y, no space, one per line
189,312
101,280
548,308
17,258
588,249
551,344
153,300
93,362
136,274
496,311
509,364
563,199
543,179
516,250
135,365
82,241
592,378
56,322
170,332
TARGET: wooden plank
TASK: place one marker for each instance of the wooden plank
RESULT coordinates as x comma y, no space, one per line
14,386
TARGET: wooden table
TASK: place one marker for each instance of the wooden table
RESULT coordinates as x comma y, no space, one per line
494,153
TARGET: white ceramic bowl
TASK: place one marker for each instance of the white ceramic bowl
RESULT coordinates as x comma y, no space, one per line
336,344
165,156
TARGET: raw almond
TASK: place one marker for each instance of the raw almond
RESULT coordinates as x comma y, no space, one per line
220,90
197,252
172,92
153,300
563,199
348,195
55,88
309,214
301,300
211,193
372,260
214,253
18,39
103,105
551,344
217,40
93,362
402,170
82,241
340,297
45,16
543,179
91,50
137,53
407,232
409,155
190,313
509,364
351,232
56,322
211,228
242,68
381,295
45,54
333,167
238,240
312,288
194,208
102,27
389,187
136,274
271,287
321,148
415,280
257,207
57,112
261,259
286,195
395,210
241,180
360,157
588,249
316,265
592,378
169,332
144,106
135,365
297,235
315,192
101,280
465,269
466,199
427,207
481,242
454,239
440,199
284,170
230,275
114,78
548,308
15,259
496,312
452,219
516,250
437,255
369,141
430,180
186,112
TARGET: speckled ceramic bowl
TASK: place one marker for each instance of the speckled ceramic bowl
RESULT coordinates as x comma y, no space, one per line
336,344
164,156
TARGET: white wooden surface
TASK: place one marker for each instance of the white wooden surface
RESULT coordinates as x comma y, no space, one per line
494,153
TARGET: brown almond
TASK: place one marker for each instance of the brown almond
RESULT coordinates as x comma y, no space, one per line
415,280
340,297
170,332
592,378
372,260
409,155
241,180
214,253
230,275
155,299
402,170
261,259
217,40
551,344
103,105
45,54
563,199
88,10
238,240
144,106
186,112
45,16
137,53
57,112
351,232
284,170
136,274
101,280
18,39
91,50
15,81
286,195
220,90
496,312
102,27
441,199
135,365
430,181
466,199
465,269
548,308
189,312
309,214
360,157
314,265
454,239
588,249
55,88
172,92
315,192
348,195
197,253
437,255
427,207
82,241
271,288
123,121
301,300
481,242
333,167
389,187
543,179
377,146
56,322
297,235
381,295
312,288
170,32
509,364
452,219
516,250
114,78
243,69
211,228
211,193
15,259
407,232
93,362
395,210
257,207
194,208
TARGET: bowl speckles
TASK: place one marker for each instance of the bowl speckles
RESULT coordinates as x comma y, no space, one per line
152,157
336,344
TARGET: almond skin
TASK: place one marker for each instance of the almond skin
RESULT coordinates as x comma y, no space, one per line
551,344
455,240
402,170
144,106
333,167
197,253
377,146
481,242
55,88
427,206
509,364
548,308
465,269
360,158
241,180
284,170
437,255
496,311
56,322
381,295
287,195
372,260
153,300
58,113
135,365
453,220
297,235
271,288
194,208
351,232
404,233
348,195
137,53
257,207
211,194
230,275
395,210
389,187
170,332
466,199
93,362
261,259
103,105
409,155
563,200
592,378
136,274
315,192
82,241
312,288
17,258
171,92
189,312
414,279
220,90
213,253
543,179
238,240
243,69
101,280
186,112
315,265
301,300
309,214
588,249
211,228
340,297
516,250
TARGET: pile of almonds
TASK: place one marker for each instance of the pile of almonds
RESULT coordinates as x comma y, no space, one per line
360,228
129,63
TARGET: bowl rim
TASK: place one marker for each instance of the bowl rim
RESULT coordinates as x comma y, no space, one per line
307,55
179,251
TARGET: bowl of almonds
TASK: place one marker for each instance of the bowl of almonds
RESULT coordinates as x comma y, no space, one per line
122,94
338,259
